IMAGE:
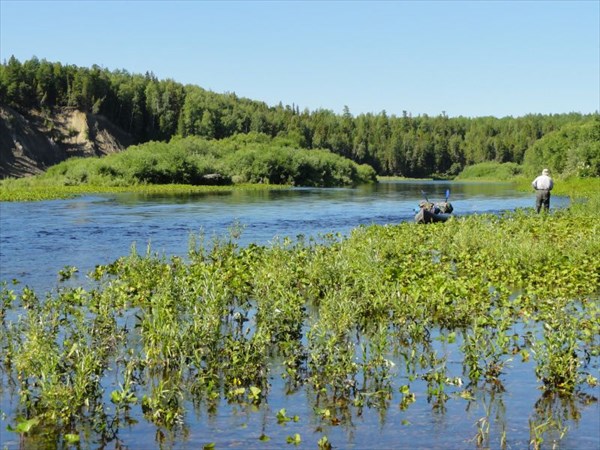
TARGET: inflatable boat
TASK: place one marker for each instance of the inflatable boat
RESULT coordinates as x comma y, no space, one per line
434,212
429,216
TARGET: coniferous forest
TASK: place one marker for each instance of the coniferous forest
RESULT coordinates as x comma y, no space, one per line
379,337
150,109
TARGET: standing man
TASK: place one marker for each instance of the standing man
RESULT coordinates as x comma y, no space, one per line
543,185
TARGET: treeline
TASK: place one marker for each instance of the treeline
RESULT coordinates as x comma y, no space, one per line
152,109
250,158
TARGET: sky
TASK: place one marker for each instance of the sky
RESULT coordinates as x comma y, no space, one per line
459,58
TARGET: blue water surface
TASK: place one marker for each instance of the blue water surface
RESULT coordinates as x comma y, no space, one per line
38,239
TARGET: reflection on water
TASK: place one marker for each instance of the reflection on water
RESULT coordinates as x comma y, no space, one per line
484,415
37,239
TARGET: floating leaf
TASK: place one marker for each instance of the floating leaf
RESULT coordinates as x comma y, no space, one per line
324,443
23,425
295,439
71,438
238,391
282,416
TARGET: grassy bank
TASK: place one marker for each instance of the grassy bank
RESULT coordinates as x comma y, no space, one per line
22,192
33,190
571,186
577,189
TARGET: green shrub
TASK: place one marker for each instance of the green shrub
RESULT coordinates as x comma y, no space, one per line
574,150
491,171
252,158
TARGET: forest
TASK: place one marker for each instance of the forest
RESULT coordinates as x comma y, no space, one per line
411,146
395,327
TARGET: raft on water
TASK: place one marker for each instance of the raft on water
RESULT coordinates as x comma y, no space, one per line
433,212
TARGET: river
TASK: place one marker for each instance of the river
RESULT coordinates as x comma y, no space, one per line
38,239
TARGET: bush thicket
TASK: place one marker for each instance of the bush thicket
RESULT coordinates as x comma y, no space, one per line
254,158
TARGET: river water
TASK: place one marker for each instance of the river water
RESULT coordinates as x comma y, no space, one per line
38,239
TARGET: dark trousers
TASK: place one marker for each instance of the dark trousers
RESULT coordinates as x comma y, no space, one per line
542,199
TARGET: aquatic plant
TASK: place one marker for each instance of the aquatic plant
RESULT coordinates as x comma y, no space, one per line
363,321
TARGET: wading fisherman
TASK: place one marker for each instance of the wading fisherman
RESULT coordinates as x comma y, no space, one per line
543,185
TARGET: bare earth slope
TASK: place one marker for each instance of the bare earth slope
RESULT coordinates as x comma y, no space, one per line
31,143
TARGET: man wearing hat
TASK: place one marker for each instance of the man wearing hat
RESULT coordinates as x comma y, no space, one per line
543,185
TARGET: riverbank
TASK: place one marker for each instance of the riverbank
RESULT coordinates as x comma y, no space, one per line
572,187
35,190
23,192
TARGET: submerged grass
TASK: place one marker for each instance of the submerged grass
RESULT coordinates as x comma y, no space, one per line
36,191
209,327
40,188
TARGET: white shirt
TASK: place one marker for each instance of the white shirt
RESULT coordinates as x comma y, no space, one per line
543,182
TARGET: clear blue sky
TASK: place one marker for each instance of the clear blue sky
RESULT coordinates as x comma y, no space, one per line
469,58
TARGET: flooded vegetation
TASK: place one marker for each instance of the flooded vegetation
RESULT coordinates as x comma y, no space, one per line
97,229
485,325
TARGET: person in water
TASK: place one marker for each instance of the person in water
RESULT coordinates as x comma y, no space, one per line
543,185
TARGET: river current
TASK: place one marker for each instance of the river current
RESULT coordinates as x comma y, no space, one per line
38,239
